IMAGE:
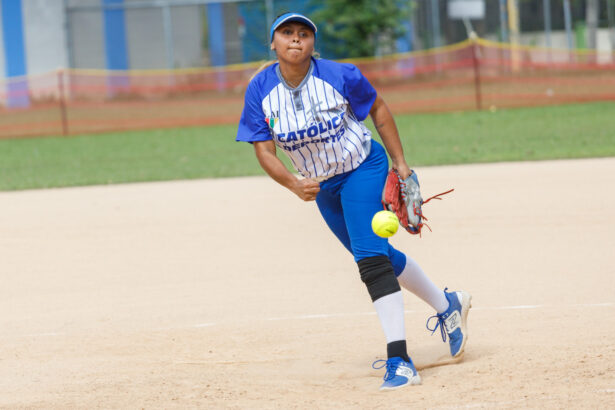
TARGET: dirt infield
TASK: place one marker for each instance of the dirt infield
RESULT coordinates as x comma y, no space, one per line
233,294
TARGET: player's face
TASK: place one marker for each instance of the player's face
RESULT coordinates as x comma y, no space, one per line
293,43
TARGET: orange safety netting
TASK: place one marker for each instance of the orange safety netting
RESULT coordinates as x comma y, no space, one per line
466,76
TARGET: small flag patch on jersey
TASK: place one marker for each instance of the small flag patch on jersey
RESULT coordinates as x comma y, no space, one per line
271,121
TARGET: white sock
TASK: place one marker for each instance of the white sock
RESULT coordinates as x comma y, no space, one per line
390,309
414,279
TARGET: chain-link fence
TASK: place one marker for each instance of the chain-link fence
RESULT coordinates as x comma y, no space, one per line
198,33
465,76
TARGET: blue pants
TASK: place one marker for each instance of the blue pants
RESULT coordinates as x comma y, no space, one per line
348,203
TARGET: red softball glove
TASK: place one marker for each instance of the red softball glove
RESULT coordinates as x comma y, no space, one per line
403,197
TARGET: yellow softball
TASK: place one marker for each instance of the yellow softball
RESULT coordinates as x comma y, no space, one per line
385,224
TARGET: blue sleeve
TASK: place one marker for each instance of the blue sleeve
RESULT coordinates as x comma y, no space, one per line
358,91
252,125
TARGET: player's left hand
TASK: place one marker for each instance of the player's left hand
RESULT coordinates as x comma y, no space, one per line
402,196
403,169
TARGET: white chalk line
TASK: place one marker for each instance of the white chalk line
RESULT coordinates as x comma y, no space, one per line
204,324
44,334
357,314
510,307
325,316
517,307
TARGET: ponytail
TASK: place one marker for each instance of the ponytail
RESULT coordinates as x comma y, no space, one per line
262,67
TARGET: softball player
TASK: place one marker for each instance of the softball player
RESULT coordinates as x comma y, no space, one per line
313,110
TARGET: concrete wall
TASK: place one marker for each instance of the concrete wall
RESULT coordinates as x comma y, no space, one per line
2,61
188,36
60,33
86,39
45,37
48,46
560,40
232,39
146,37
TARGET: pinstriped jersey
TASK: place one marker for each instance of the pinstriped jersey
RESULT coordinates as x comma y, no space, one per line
318,124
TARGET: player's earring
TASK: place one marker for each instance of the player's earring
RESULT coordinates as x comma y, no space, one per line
272,46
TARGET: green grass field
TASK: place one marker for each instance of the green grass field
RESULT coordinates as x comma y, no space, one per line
567,131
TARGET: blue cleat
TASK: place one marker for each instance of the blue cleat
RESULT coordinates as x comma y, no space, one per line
454,321
399,373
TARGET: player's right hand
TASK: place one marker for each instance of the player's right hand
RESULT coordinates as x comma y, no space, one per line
306,189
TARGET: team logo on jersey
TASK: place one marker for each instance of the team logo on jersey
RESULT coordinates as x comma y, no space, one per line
272,119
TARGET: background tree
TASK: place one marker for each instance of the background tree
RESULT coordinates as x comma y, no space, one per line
361,28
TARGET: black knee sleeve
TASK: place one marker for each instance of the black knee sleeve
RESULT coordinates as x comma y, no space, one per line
378,275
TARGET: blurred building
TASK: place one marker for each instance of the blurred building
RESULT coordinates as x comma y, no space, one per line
39,36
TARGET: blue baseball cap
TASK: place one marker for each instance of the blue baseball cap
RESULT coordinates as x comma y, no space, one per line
288,17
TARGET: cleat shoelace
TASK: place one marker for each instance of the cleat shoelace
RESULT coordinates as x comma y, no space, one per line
439,323
391,368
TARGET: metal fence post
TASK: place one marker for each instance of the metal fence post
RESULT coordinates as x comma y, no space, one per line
611,21
62,101
476,64
546,4
568,24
